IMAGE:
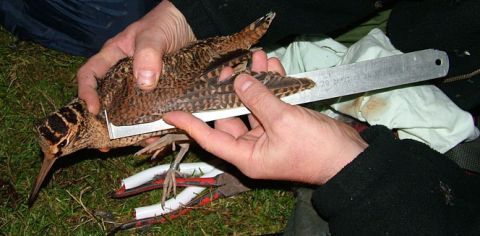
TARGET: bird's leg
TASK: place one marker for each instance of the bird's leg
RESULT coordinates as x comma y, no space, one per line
170,182
157,146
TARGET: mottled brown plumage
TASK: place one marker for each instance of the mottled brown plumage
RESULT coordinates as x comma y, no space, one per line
189,82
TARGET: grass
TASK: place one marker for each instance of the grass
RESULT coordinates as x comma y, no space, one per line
35,81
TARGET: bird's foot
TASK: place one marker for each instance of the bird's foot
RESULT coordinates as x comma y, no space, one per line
156,147
170,184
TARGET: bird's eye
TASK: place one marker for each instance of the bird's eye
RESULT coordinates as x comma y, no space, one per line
62,144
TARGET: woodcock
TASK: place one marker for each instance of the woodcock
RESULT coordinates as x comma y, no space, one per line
189,82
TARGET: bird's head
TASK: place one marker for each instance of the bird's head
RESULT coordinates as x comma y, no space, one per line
61,133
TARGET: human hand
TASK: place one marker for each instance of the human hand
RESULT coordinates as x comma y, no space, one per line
285,142
164,29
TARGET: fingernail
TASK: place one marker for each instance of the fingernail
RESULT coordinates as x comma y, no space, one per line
146,78
246,83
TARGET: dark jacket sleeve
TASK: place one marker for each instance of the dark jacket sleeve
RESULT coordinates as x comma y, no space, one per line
213,17
400,187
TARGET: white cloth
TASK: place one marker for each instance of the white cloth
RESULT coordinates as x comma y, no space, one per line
422,113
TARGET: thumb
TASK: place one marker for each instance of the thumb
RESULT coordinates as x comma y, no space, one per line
258,99
147,60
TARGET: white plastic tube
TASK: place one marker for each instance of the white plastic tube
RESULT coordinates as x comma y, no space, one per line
173,204
148,174
181,199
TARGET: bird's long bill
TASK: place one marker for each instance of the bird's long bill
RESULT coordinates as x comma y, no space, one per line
46,166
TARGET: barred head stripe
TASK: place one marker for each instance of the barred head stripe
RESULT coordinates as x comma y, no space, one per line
57,124
69,114
48,134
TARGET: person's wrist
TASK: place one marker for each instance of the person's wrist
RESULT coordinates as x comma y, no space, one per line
349,151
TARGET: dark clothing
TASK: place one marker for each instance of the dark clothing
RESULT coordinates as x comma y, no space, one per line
74,26
81,27
212,17
400,187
